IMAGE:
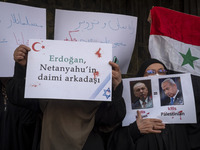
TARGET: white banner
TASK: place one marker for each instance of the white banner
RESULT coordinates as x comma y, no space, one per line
69,70
155,92
119,30
18,24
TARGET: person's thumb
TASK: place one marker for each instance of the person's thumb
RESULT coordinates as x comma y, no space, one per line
139,116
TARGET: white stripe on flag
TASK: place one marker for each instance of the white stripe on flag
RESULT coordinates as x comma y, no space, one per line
168,51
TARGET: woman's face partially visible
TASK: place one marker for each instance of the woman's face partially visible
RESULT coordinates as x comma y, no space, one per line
155,69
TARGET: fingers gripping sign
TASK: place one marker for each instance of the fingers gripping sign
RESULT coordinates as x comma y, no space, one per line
149,125
116,74
20,54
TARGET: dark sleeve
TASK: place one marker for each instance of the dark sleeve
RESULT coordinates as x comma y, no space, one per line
15,90
194,129
124,138
112,113
134,131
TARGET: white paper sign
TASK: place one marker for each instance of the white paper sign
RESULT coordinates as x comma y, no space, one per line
69,70
120,30
158,90
18,24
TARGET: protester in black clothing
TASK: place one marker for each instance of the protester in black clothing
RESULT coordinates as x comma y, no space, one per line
194,129
173,137
17,125
107,114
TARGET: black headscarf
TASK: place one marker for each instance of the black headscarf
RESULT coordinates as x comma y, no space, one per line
146,64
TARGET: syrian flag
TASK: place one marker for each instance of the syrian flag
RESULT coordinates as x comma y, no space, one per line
175,40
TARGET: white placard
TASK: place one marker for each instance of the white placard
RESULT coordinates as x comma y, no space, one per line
18,23
120,30
158,104
69,70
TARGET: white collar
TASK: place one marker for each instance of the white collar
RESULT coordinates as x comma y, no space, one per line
175,94
141,102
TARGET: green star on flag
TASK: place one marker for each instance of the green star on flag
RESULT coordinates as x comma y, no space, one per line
167,40
188,58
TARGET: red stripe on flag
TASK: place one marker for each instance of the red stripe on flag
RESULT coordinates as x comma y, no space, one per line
179,26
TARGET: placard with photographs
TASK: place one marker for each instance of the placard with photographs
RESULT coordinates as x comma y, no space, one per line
168,97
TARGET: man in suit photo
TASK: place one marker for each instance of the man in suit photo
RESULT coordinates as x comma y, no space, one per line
174,95
140,91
